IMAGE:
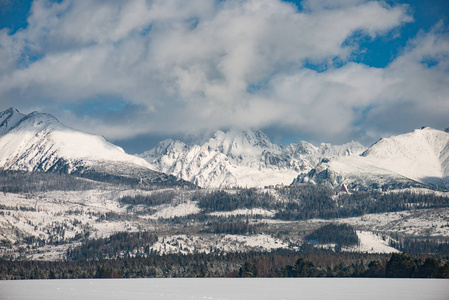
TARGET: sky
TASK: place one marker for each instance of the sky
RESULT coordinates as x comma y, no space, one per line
138,71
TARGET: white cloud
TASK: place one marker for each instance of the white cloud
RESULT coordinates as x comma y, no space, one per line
195,66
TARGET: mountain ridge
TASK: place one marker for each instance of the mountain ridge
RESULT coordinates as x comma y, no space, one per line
38,142
416,159
241,158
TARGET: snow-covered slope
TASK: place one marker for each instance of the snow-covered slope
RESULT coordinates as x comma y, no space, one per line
418,158
241,158
421,155
39,142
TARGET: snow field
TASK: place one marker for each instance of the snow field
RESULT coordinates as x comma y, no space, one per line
180,210
371,243
227,289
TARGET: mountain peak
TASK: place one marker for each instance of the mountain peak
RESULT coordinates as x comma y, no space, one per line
9,119
41,117
241,142
164,147
10,110
38,141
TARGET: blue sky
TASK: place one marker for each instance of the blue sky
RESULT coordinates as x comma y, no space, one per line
141,71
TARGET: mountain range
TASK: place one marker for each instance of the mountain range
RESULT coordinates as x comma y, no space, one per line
245,158
38,142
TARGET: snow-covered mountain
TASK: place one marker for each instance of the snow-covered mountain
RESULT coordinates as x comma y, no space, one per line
38,142
244,158
419,158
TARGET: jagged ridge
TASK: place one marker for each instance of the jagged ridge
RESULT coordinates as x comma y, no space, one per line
241,158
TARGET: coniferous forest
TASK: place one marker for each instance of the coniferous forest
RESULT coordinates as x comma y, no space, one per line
282,263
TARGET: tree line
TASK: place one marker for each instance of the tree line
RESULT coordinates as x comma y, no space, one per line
222,200
243,228
280,263
116,245
398,266
416,246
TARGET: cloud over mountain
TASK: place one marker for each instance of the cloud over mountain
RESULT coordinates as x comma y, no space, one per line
182,67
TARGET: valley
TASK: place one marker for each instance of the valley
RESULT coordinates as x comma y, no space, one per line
45,225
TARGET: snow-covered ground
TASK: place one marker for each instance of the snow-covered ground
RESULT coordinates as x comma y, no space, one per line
422,222
227,288
371,243
207,243
181,210
244,212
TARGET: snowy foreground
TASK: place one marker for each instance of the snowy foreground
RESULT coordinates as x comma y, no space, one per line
261,288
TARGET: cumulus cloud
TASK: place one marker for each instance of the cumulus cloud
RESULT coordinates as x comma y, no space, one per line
183,67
